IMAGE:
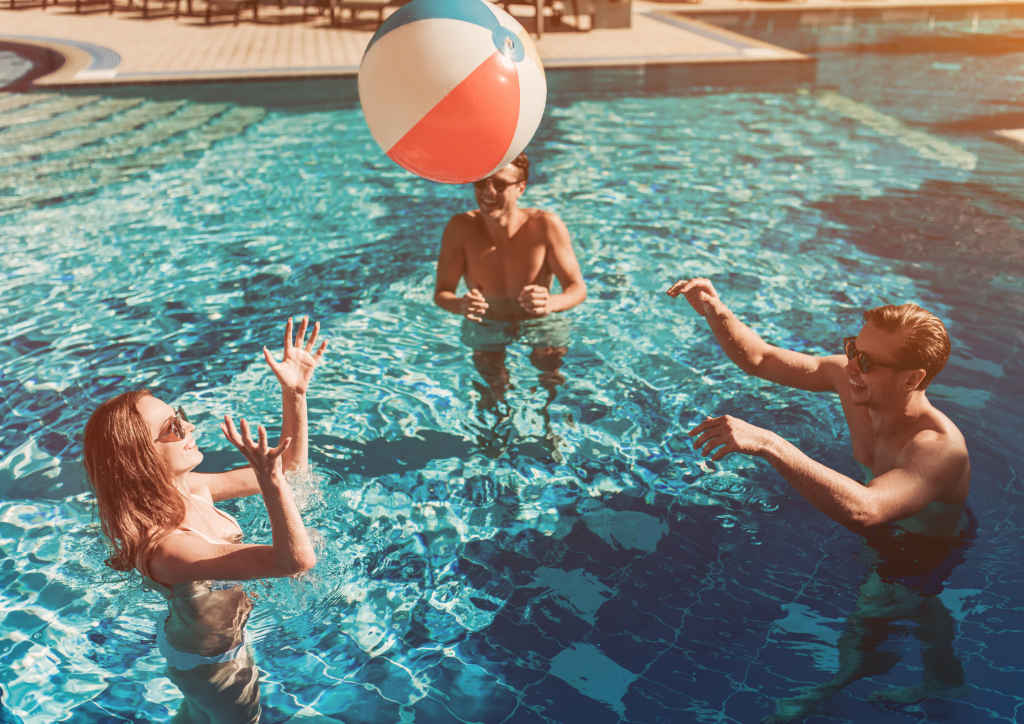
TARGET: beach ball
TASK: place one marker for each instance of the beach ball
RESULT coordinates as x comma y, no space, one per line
452,90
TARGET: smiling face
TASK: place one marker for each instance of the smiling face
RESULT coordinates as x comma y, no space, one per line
180,456
879,386
495,203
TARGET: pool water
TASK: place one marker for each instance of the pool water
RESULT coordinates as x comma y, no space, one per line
565,562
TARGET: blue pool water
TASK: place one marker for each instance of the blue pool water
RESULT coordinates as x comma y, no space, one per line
578,563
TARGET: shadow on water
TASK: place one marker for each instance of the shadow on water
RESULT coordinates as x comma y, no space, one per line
960,44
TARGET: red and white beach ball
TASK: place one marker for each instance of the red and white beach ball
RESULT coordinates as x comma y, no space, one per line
452,90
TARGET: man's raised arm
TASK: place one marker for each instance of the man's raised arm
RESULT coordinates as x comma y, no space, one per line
751,353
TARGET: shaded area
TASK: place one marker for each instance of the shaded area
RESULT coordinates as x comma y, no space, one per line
960,44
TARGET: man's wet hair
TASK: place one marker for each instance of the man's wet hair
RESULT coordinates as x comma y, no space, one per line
924,344
523,164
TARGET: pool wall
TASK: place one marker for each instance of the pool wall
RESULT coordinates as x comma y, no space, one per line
342,91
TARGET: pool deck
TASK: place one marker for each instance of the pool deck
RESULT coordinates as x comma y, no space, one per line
102,49
124,48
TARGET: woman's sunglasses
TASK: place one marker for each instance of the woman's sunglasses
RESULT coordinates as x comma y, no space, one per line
864,363
177,423
499,185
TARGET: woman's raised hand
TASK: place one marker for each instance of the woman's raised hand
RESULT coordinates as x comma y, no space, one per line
296,369
265,460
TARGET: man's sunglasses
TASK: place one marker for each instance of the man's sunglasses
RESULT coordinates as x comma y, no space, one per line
177,430
499,185
864,363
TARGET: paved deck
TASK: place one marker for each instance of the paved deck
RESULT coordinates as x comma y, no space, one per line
125,48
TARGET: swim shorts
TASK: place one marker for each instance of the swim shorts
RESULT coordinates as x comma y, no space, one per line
493,336
920,561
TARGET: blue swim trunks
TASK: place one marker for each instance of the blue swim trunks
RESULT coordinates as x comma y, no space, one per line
494,336
920,561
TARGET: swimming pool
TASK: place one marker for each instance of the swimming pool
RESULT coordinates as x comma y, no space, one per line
571,564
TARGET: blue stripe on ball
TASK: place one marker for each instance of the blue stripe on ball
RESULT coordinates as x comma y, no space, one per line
470,11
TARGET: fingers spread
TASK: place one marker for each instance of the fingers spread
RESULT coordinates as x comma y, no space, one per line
288,335
228,426
270,359
246,436
711,444
312,337
723,452
301,334
707,424
281,447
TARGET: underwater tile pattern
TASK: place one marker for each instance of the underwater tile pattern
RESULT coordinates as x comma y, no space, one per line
562,562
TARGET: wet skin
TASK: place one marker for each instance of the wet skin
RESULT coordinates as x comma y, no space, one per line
206,620
920,479
509,258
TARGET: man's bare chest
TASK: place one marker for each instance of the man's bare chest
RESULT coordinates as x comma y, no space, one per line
874,452
516,261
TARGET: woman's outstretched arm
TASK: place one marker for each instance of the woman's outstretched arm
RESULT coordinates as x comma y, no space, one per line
294,372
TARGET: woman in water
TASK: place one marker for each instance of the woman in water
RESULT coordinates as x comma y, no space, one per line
159,519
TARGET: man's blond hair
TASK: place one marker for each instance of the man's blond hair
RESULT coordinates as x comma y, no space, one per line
924,344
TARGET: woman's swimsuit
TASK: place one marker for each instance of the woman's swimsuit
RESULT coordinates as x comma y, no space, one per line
183,660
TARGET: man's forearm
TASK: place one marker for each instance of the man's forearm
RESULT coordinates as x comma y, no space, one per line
572,296
842,499
740,343
448,302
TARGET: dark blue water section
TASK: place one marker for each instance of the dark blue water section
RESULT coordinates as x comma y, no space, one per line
552,560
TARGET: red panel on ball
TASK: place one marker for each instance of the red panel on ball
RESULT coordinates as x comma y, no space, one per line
467,134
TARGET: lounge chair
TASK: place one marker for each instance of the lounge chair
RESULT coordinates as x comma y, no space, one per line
132,4
538,5
356,6
79,4
229,7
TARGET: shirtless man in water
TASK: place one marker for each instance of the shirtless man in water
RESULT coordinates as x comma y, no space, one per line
910,511
509,257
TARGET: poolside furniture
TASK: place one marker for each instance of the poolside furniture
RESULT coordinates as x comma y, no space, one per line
145,6
228,7
12,4
79,4
356,6
539,5
602,13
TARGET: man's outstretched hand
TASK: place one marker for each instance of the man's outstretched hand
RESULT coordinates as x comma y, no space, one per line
700,294
730,435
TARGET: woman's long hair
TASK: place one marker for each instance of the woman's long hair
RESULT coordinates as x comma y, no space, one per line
137,499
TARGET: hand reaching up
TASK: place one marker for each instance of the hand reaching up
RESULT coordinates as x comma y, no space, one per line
296,369
265,460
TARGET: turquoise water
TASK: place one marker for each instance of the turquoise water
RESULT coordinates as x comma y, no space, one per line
578,563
